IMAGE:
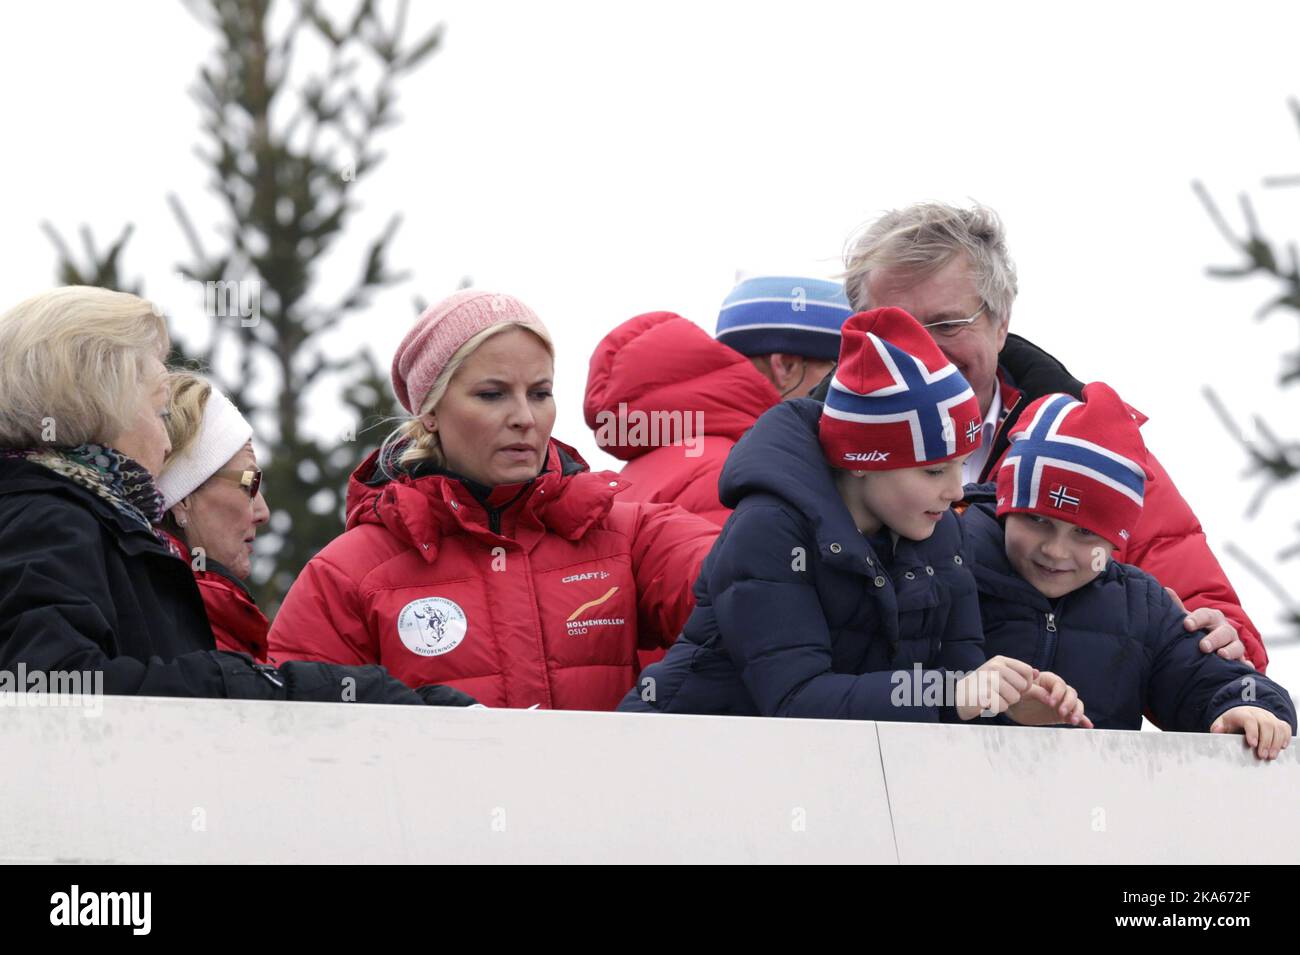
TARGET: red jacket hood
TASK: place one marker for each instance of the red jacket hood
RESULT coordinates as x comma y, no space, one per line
661,362
566,499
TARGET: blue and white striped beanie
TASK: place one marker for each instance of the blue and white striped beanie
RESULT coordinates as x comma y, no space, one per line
781,313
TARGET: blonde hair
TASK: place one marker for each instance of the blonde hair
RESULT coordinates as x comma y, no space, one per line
73,361
189,396
923,238
412,442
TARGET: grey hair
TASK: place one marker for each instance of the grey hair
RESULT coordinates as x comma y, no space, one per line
923,238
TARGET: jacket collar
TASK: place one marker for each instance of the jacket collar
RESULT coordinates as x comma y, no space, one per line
422,508
1008,392
986,536
105,472
210,566
782,456
19,476
1026,373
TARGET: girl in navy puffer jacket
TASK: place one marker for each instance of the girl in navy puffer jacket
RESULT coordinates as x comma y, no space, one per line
1068,491
838,588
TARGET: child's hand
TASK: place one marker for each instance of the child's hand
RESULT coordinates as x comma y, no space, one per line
995,686
1265,733
1050,701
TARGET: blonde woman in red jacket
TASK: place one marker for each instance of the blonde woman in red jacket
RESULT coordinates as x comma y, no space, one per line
479,551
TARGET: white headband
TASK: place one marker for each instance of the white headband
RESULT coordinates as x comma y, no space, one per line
222,433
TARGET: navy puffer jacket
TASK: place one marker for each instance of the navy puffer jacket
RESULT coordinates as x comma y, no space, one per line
797,615
1118,640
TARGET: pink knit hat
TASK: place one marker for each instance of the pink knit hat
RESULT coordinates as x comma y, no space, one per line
442,329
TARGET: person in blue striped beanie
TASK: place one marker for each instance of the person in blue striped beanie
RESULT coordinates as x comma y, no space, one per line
788,327
672,400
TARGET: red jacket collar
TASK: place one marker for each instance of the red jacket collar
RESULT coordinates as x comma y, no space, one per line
422,510
237,623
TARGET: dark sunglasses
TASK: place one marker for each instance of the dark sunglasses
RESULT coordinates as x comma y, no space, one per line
249,479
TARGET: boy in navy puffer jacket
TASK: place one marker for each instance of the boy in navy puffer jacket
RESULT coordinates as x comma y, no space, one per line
837,588
1067,492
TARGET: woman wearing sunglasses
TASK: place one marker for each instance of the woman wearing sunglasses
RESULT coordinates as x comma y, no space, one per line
90,587
211,487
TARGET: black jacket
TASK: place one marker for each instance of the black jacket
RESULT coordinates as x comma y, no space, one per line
1035,373
84,589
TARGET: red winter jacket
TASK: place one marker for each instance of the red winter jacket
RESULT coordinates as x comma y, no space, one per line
548,609
1167,540
660,363
237,623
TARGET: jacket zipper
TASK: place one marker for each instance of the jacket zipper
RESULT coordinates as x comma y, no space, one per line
494,513
1048,655
270,673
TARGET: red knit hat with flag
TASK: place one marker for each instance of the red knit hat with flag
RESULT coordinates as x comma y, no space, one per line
1082,462
895,400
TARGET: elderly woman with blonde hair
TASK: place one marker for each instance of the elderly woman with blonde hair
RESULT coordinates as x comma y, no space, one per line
87,585
211,487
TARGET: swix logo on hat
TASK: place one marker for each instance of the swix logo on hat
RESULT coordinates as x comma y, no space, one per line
866,455
894,389
1085,458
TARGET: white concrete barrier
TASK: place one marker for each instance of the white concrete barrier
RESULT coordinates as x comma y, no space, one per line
1019,794
160,780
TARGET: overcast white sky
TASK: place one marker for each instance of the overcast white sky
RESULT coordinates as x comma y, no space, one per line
600,160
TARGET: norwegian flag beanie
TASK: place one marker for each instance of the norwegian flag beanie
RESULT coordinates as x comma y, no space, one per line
1082,462
895,401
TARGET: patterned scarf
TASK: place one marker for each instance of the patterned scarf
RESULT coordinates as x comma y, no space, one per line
105,472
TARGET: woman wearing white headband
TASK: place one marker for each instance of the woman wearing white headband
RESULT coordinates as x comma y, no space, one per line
90,588
211,487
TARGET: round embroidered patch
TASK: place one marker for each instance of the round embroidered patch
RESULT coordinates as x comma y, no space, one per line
432,626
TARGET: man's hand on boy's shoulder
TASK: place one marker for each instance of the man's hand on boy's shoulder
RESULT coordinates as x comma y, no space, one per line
1222,635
